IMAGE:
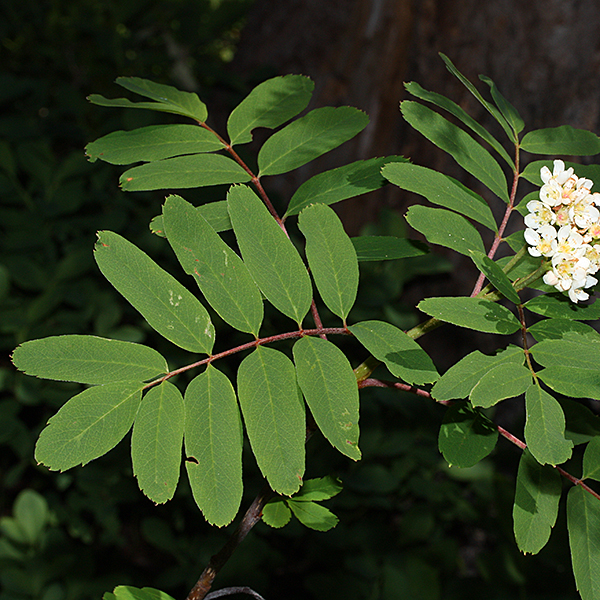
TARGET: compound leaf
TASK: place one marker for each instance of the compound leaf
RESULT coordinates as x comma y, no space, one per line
307,138
472,313
156,442
213,446
536,503
545,428
167,306
219,272
89,425
274,416
331,258
88,359
269,105
445,228
270,256
331,392
403,357
466,435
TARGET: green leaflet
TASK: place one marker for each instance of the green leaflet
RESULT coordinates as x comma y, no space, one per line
308,137
88,359
276,513
322,488
331,392
469,154
126,592
545,428
274,416
269,105
591,460
560,307
536,503
166,99
219,272
461,378
487,105
445,228
496,276
583,522
557,329
342,183
454,109
148,144
156,442
270,256
561,140
472,313
197,170
386,247
575,350
89,425
531,172
403,357
509,112
503,381
166,305
466,435
215,213
572,381
313,515
213,446
440,189
331,258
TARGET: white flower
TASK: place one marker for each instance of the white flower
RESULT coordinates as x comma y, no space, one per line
542,240
583,212
551,193
559,174
540,214
570,242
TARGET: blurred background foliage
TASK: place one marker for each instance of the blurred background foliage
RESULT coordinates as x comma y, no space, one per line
410,527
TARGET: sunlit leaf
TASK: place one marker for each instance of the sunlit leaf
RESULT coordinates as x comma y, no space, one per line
401,354
156,442
125,592
458,381
561,140
270,256
339,184
572,381
558,329
468,153
88,359
215,213
502,382
213,446
166,305
148,144
472,313
197,170
308,137
545,428
466,435
269,104
274,417
583,521
536,503
331,258
321,488
219,272
331,392
89,425
578,351
441,190
276,513
445,228
560,307
313,515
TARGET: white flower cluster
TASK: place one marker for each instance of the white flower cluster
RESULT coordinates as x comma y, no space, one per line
564,226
